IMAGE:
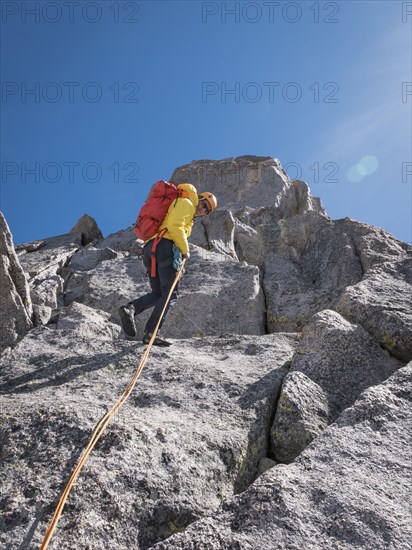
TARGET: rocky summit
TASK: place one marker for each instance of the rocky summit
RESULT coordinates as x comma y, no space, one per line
281,417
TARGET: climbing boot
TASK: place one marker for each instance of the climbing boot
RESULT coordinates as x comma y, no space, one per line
127,318
157,341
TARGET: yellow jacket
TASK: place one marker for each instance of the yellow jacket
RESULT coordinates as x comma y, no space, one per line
180,217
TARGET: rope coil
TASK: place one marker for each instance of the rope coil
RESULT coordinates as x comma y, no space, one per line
104,422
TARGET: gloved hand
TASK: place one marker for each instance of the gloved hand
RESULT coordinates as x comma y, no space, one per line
186,256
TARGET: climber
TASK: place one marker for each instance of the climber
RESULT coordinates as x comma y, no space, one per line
169,251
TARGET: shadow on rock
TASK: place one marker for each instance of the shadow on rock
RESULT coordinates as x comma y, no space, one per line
59,372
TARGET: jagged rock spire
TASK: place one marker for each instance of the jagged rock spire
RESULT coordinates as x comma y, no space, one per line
87,226
16,307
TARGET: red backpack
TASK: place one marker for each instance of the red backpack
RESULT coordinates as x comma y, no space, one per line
155,208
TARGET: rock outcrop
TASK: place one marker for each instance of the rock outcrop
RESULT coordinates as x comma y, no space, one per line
334,363
280,417
347,490
382,303
44,261
249,181
88,228
16,308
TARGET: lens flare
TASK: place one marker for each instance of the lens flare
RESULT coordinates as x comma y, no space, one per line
365,167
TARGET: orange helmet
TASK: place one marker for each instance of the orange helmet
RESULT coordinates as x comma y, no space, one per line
210,199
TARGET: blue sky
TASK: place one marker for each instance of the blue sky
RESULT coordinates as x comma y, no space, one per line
124,92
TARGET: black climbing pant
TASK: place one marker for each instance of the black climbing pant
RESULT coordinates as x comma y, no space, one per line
160,284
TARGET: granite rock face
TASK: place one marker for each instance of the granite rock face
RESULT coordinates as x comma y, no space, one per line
249,181
314,261
279,418
218,295
16,308
192,434
382,303
216,233
347,490
334,363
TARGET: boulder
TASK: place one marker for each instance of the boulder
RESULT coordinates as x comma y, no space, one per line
16,310
334,363
87,323
88,228
381,303
46,291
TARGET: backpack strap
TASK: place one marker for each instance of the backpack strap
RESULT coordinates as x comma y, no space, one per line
153,252
183,195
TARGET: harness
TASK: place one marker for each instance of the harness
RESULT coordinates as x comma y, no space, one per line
153,252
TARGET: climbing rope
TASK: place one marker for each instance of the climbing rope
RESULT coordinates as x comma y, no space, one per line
103,423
